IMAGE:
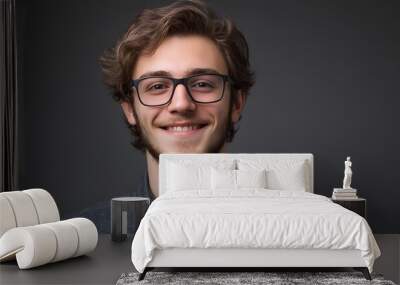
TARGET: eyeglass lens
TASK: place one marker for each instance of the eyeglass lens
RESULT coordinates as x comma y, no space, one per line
203,88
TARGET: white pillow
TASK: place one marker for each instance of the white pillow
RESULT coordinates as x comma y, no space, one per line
236,179
182,178
251,178
193,175
288,174
223,179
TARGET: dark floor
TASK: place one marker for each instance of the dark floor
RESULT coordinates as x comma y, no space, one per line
110,260
389,262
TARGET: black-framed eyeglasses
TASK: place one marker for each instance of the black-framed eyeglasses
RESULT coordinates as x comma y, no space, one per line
202,88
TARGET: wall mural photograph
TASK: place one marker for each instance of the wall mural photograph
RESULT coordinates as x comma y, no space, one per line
183,141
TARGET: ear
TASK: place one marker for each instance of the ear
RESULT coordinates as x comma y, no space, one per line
128,111
238,106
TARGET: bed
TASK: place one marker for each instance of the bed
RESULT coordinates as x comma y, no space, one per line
245,211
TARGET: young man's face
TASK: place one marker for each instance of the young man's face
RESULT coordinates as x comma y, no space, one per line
208,123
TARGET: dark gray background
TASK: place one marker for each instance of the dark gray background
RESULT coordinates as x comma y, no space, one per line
327,82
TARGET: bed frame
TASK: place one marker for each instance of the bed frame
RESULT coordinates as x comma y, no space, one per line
246,258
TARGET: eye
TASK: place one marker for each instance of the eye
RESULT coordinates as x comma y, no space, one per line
202,85
157,86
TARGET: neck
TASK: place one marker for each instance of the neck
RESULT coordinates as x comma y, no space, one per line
152,171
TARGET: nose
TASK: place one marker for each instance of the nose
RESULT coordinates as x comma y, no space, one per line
181,101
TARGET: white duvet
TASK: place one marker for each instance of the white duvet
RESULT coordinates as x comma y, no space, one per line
251,218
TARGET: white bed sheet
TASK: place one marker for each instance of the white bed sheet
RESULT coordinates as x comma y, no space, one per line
250,218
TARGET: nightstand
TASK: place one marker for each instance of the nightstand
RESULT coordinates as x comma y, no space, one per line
358,205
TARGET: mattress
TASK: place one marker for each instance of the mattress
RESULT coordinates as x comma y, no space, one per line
250,218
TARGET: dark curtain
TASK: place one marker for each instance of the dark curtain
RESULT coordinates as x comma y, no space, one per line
8,96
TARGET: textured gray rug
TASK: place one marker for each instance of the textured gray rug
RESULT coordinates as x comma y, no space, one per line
229,278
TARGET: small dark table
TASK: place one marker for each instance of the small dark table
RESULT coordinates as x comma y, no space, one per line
126,214
358,205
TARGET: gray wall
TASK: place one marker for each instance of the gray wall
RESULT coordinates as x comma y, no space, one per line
327,83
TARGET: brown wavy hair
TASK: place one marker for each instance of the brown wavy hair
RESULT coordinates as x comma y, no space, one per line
152,26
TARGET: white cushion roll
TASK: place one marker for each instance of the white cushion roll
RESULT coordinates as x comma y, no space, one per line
87,234
7,218
45,205
23,207
33,246
40,244
67,239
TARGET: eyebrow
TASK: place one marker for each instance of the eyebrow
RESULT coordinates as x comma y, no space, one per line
194,71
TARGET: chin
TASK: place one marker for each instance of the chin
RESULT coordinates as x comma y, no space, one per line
184,149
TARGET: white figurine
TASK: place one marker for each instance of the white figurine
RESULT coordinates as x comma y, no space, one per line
347,174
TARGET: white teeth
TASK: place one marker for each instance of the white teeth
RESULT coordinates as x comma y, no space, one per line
182,129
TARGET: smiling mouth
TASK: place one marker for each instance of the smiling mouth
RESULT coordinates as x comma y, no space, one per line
184,129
